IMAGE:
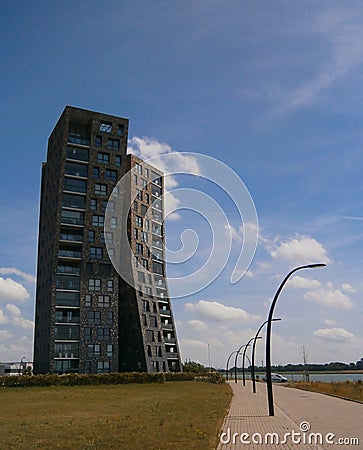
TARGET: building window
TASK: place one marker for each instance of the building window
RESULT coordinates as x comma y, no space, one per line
113,222
109,317
120,130
98,221
139,195
146,305
138,168
144,236
88,300
111,175
100,189
75,185
94,284
145,264
143,183
136,206
91,236
136,233
87,334
147,224
94,350
135,179
109,206
87,367
109,350
138,221
78,134
96,172
109,285
103,334
105,127
103,301
94,317
98,141
96,252
103,158
104,270
80,154
103,367
147,198
106,237
118,161
78,170
139,249
93,204
113,144
146,172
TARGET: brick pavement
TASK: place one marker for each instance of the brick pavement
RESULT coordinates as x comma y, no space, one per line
248,413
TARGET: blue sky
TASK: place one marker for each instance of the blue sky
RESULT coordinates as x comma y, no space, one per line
273,90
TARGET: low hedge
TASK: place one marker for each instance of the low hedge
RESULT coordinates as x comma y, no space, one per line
74,379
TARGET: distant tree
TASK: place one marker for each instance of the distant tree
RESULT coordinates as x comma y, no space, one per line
195,367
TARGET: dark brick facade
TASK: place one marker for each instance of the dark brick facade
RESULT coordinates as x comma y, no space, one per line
88,319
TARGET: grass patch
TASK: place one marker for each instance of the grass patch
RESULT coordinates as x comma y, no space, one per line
183,415
346,389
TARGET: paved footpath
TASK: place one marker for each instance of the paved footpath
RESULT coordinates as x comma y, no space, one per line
303,420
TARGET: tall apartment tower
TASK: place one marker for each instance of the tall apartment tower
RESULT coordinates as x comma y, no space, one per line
88,319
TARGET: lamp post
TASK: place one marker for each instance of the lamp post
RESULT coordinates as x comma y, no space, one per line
21,364
253,354
229,357
235,362
243,362
268,334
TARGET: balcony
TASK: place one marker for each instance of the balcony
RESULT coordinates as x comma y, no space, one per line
72,237
165,312
76,170
66,332
77,154
67,318
74,201
63,253
167,326
71,270
72,217
67,282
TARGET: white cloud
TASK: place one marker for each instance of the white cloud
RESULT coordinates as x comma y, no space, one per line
197,325
5,335
15,318
219,312
3,318
298,282
147,148
342,34
328,296
16,348
347,287
334,334
20,273
11,290
300,250
330,322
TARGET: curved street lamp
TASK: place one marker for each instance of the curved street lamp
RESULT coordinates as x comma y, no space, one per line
229,357
243,361
253,354
268,334
235,362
